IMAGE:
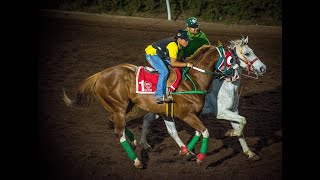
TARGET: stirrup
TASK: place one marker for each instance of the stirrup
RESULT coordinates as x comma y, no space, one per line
162,99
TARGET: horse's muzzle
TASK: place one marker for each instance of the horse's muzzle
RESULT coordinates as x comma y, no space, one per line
263,70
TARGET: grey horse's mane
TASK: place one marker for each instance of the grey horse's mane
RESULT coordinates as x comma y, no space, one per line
234,43
238,42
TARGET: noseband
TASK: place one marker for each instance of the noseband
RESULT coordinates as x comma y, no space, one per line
245,60
249,67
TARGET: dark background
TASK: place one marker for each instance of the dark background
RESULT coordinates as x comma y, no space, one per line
263,12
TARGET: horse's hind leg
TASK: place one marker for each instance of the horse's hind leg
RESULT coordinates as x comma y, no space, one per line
119,128
148,119
131,137
127,147
171,127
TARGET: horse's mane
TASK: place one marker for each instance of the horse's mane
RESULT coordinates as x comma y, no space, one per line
205,48
234,43
200,52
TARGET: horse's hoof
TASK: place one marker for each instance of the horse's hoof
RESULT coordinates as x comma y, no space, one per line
145,146
138,164
191,156
255,158
252,156
231,133
200,158
199,162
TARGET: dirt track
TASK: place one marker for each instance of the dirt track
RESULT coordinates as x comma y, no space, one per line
77,143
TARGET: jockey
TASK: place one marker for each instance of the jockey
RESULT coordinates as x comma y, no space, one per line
163,53
198,39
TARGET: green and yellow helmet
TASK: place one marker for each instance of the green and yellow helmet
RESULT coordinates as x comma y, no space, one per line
192,22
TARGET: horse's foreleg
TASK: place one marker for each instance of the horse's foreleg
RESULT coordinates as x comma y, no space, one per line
204,146
195,122
233,116
129,151
245,148
237,130
194,141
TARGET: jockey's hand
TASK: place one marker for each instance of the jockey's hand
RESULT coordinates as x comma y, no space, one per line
190,65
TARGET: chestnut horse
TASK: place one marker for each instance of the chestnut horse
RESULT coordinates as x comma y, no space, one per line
115,89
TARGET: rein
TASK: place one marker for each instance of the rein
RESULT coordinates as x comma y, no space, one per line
185,76
214,74
250,76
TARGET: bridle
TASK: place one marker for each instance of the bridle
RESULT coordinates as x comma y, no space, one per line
249,64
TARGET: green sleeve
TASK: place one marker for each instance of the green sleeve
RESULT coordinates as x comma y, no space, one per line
198,41
203,36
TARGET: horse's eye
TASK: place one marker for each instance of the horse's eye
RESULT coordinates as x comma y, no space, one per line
246,54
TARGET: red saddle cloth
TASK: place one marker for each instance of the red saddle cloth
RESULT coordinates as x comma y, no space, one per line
146,80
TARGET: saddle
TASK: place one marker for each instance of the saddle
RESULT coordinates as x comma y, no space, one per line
147,79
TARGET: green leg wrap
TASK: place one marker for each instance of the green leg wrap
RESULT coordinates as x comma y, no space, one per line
129,134
129,150
204,145
193,142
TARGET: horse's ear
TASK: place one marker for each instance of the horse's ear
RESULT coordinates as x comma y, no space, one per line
244,40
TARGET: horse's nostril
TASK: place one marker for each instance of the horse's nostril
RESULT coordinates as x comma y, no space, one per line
262,69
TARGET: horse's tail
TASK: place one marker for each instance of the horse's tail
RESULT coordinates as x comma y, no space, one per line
66,99
85,94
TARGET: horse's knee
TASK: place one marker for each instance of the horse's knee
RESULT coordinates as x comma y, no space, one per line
205,133
221,115
243,121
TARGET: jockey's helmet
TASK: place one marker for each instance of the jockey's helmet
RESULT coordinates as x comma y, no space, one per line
192,22
183,34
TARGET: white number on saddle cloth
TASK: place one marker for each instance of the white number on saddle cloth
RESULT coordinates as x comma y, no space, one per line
146,86
142,85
